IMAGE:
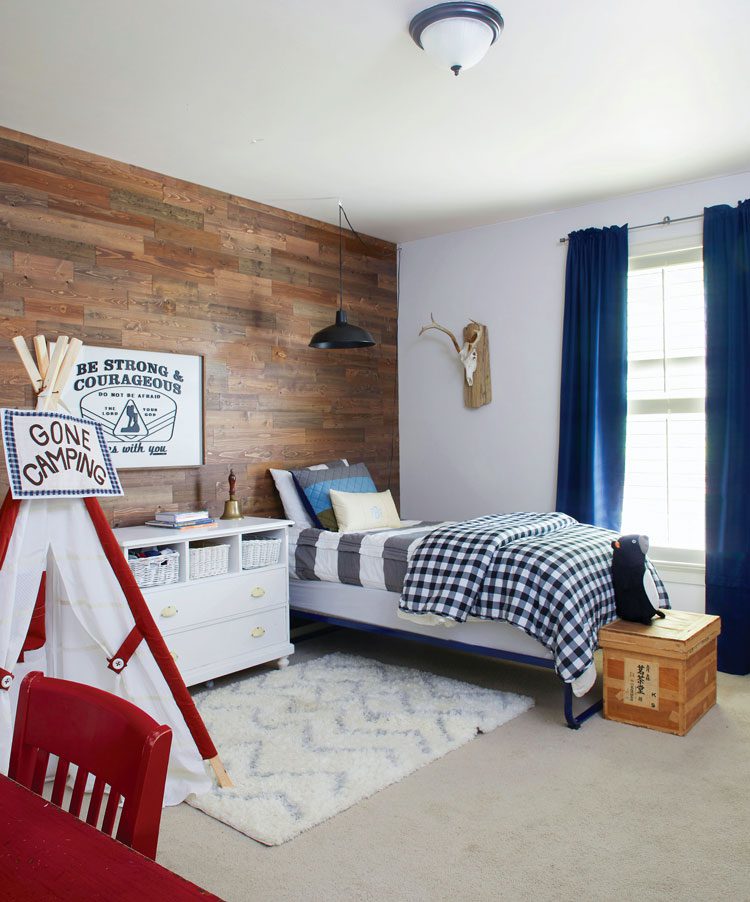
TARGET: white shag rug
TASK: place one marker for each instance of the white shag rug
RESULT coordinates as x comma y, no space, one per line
304,743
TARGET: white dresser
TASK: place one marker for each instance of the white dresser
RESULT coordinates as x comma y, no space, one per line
216,625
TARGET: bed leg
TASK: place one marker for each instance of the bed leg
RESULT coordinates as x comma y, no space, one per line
574,721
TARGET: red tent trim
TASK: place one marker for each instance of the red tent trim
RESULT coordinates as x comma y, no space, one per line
149,630
119,660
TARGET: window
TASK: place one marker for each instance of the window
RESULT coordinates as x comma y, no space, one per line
666,430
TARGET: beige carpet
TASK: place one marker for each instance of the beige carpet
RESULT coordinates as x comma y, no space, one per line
532,811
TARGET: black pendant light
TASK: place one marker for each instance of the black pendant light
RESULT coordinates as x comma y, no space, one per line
342,334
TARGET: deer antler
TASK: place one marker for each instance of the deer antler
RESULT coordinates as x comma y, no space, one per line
448,332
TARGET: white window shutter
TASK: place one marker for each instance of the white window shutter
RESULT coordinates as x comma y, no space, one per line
666,434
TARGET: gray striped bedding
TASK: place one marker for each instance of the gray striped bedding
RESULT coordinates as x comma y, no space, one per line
376,559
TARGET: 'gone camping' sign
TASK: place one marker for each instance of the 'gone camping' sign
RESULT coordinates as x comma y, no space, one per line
55,455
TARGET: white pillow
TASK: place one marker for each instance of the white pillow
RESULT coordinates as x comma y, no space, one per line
357,511
290,500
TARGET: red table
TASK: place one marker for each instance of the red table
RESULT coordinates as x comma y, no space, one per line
46,853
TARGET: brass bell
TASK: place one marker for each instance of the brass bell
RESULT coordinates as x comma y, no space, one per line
232,506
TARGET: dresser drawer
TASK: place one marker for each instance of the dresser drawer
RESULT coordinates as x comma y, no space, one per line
189,605
267,587
218,642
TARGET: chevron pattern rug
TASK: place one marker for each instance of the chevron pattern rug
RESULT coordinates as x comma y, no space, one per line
304,743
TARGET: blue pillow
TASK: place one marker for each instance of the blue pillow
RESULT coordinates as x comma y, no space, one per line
314,487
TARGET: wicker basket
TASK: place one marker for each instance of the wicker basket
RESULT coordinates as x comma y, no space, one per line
157,570
260,552
208,560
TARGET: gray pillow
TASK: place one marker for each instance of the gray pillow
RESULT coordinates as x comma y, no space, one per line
290,500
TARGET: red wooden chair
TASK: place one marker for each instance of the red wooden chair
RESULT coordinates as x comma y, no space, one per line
121,746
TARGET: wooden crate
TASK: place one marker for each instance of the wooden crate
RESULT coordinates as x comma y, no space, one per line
663,675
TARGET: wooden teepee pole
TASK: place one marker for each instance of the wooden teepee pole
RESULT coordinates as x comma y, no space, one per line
222,777
48,375
19,342
71,355
42,354
45,399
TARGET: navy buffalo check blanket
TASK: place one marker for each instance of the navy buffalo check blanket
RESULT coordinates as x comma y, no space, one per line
545,573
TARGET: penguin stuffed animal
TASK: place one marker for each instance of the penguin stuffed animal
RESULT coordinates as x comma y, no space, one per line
636,597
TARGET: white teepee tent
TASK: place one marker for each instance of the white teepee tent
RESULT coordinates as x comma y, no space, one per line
86,620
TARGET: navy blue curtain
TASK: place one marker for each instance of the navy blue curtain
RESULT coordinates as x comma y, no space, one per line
726,260
593,394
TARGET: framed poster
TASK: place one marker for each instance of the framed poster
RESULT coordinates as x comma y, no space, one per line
148,404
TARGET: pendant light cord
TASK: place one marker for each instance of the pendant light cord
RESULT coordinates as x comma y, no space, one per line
349,223
341,251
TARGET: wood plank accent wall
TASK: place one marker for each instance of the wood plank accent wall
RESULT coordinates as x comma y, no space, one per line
123,257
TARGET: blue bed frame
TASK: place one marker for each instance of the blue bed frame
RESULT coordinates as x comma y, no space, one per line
574,721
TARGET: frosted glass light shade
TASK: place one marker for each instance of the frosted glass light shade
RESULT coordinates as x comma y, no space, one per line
456,35
457,42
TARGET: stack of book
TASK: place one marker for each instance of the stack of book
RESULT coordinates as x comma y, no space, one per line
182,520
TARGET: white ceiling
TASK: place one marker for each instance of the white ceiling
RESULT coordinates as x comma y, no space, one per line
577,101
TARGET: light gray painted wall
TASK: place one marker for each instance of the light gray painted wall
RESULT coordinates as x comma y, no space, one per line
459,463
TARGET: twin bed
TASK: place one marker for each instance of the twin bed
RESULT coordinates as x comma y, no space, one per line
526,587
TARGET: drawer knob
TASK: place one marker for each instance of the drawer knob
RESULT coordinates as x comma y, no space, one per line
258,632
174,654
169,611
258,592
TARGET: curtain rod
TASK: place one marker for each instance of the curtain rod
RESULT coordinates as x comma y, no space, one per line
648,225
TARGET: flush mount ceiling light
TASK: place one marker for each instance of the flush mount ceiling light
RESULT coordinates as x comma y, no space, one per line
342,334
457,35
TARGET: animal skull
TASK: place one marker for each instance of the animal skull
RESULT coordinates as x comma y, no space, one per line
467,354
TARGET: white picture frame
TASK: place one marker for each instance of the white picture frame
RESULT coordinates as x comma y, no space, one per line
149,405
